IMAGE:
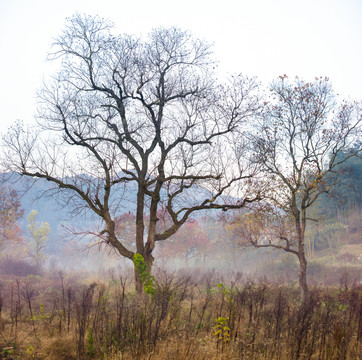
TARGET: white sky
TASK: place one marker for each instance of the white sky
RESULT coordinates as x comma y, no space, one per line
263,38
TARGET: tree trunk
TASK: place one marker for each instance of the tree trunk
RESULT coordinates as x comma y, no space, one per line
300,228
139,284
140,226
304,291
149,259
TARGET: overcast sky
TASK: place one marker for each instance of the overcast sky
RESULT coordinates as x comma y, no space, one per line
263,38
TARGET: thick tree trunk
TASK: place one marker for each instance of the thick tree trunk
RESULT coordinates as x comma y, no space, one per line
149,259
304,291
139,284
140,226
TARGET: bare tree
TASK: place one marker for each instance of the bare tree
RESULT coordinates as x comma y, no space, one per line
123,111
298,142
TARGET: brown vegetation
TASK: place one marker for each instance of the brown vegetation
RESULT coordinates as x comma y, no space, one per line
199,316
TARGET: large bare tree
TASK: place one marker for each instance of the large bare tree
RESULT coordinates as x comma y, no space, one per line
300,142
149,112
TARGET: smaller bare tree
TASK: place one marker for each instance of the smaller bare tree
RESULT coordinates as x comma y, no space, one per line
297,142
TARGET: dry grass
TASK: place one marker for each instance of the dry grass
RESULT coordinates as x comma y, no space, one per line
59,318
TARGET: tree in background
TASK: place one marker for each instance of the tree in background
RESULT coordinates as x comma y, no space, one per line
340,209
38,233
125,229
10,214
300,142
346,192
190,241
149,113
223,247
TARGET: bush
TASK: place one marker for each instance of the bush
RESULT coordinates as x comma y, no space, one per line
18,267
347,258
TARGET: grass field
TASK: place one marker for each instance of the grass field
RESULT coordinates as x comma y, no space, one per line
198,315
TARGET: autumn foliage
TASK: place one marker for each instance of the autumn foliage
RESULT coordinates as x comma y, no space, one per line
10,213
188,242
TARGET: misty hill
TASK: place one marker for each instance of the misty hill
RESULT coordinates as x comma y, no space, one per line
38,194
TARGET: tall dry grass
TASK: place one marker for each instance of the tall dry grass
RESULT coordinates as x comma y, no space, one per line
200,315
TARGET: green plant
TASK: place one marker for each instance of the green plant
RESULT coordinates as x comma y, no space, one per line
42,315
6,352
143,270
30,351
90,343
38,237
226,291
222,331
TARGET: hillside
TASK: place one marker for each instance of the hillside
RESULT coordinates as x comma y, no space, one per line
39,195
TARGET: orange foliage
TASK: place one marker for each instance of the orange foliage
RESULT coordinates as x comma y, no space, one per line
10,213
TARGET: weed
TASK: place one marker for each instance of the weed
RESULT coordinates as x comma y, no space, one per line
222,331
90,344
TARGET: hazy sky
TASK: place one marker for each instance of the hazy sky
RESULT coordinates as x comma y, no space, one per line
263,38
